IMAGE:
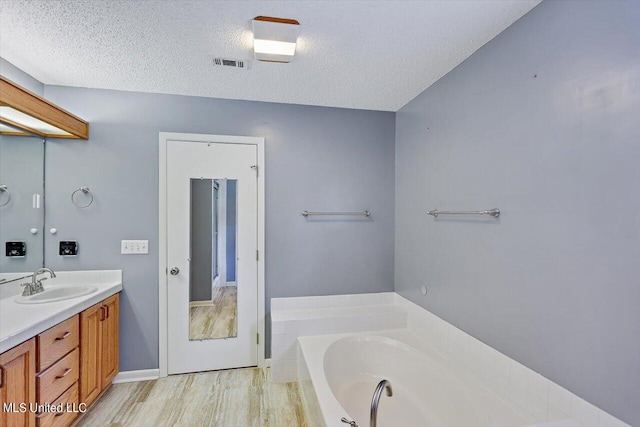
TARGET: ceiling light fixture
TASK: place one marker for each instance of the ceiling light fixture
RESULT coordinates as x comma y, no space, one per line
26,111
274,39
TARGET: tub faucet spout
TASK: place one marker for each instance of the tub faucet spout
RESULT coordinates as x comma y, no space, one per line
382,385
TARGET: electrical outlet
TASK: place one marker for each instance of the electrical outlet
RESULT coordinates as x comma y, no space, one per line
134,247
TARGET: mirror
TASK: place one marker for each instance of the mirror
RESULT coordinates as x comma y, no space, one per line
21,203
213,300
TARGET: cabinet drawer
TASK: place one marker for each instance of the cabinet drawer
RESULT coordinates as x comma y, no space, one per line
59,377
69,401
57,341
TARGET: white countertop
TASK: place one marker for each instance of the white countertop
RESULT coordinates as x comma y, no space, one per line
20,322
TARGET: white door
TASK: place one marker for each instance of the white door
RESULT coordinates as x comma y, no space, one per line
188,162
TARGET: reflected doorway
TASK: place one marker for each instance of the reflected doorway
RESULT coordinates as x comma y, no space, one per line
213,296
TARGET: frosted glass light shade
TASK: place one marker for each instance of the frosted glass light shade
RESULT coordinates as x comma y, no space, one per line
274,39
23,121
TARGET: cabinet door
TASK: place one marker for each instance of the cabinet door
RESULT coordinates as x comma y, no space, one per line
18,384
109,355
90,349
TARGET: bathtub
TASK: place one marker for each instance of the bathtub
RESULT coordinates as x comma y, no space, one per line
337,375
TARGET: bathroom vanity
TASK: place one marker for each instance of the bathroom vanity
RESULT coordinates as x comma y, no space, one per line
58,346
57,357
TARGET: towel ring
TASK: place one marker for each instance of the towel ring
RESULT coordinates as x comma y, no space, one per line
5,189
86,191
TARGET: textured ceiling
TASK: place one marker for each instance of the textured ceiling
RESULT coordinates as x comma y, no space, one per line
374,55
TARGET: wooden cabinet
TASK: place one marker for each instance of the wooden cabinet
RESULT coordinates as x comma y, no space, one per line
68,399
56,342
18,385
53,382
98,348
90,350
110,359
70,363
58,367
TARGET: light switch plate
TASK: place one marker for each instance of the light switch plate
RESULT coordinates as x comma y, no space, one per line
134,247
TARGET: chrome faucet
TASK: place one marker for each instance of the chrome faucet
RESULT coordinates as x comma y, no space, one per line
35,287
382,385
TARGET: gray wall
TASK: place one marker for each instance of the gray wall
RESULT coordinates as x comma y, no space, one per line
541,122
201,240
18,76
231,230
316,159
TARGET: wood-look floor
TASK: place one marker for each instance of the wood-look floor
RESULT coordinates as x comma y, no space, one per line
230,398
217,320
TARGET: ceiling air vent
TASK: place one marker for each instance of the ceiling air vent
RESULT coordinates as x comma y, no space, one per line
234,63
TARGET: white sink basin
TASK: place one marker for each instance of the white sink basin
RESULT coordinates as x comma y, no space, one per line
57,293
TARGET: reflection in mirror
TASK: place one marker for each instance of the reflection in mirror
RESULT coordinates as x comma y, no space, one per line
213,302
21,203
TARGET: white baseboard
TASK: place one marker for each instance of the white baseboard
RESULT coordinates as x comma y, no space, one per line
141,375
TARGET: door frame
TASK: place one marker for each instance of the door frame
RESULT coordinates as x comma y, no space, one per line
164,137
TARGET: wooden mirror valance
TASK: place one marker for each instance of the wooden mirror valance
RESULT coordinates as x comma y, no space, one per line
23,109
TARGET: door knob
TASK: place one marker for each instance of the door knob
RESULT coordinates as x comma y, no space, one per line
174,271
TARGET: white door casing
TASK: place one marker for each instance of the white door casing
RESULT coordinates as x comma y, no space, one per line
186,156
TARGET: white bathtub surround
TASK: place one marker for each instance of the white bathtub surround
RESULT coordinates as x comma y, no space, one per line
321,315
307,386
515,394
429,389
528,390
20,322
